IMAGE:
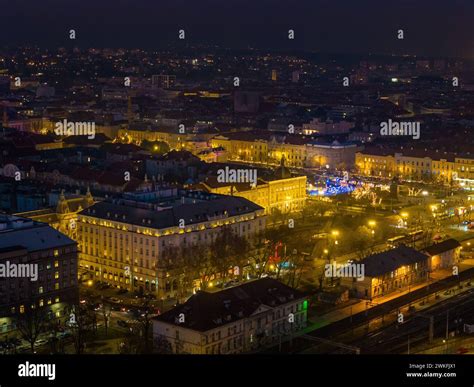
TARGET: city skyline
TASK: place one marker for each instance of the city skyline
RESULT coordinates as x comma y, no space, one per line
432,28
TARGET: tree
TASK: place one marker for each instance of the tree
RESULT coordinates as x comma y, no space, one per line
227,251
81,322
31,324
145,322
106,312
156,147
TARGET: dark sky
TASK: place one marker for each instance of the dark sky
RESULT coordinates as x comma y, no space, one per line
432,27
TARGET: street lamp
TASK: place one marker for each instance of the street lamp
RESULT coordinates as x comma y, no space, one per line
372,224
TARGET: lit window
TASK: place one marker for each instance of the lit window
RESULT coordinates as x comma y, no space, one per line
56,286
56,263
56,253
56,275
41,302
40,290
22,308
56,299
49,301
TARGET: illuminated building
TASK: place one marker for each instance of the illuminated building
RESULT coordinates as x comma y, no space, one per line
283,192
24,241
413,165
64,216
121,234
389,271
333,155
444,255
274,75
379,165
298,151
188,139
235,320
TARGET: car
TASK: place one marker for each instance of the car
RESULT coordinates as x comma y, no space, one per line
122,323
65,335
41,342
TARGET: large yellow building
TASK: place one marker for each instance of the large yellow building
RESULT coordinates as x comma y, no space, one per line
417,165
175,138
121,240
298,151
282,192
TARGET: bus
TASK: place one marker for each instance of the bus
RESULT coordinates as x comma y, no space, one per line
396,241
415,236
409,238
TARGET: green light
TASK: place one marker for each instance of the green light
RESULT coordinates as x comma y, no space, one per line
305,304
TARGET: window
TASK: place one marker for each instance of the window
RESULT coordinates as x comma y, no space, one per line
22,308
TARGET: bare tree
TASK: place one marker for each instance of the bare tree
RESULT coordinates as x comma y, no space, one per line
81,322
31,324
145,322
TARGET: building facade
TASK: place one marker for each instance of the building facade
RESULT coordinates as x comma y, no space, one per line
54,258
389,271
124,242
431,166
245,318
297,151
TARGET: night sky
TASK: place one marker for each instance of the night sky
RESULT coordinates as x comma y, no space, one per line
432,27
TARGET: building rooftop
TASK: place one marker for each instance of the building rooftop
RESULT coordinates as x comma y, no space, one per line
160,217
442,247
205,311
390,260
33,236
